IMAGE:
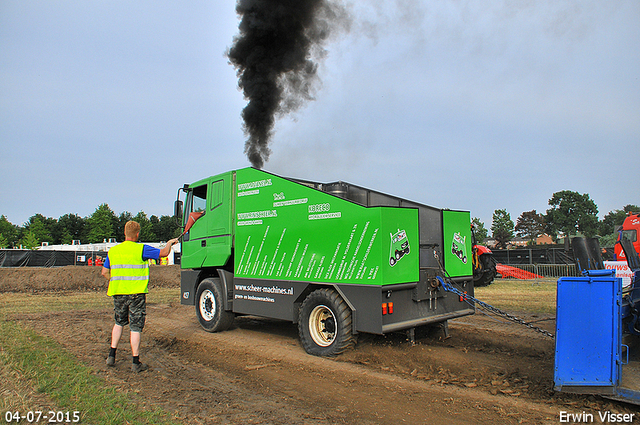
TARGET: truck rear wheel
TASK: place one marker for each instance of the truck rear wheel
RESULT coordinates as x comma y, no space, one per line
325,324
210,306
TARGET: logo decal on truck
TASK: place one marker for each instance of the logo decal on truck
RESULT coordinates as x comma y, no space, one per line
399,247
458,247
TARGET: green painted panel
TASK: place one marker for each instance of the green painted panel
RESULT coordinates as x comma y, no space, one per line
457,242
288,231
401,245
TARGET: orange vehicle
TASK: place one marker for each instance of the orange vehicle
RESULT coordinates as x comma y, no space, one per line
630,230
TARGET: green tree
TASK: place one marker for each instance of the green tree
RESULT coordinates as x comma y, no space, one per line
9,232
155,225
572,212
165,228
101,224
29,240
613,219
3,242
608,241
41,227
502,228
122,220
70,227
146,228
530,225
478,229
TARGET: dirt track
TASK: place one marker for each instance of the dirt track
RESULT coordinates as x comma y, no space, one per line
75,278
485,373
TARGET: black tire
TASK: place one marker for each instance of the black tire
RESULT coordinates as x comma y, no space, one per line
392,261
210,306
325,325
487,271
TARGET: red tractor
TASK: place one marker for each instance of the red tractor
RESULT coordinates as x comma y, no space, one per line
484,265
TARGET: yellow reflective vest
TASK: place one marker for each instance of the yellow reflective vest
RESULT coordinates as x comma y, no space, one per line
129,273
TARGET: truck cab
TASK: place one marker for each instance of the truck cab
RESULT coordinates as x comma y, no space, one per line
630,230
209,242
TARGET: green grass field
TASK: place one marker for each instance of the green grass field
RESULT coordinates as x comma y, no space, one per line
529,296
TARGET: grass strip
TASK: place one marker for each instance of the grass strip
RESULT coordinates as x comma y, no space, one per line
57,374
535,297
16,392
50,302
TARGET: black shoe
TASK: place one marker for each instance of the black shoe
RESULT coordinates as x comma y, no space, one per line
111,361
139,367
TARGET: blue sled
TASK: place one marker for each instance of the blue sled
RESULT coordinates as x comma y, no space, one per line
597,342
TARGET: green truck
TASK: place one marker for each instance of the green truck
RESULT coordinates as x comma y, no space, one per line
315,254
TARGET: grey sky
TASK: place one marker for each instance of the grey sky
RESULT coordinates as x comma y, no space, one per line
473,105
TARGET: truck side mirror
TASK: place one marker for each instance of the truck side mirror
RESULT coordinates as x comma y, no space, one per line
177,211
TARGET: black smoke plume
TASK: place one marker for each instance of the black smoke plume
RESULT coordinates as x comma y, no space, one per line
276,56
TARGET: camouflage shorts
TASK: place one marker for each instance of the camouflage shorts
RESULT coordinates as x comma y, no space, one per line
130,310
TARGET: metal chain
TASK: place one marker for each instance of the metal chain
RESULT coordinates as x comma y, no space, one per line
450,288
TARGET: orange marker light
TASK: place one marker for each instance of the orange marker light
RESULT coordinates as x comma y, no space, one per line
390,308
384,308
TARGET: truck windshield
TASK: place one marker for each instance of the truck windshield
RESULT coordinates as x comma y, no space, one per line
630,235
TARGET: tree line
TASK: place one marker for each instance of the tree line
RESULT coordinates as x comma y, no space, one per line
570,214
102,224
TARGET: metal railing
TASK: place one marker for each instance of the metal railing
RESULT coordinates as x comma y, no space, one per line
549,270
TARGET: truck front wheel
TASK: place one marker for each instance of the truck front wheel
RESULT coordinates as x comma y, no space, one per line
325,324
210,306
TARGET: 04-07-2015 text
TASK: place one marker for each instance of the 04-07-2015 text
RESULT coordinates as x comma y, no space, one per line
37,416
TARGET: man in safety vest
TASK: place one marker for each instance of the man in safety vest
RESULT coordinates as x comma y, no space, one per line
127,270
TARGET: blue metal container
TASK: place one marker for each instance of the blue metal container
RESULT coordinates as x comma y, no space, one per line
588,333
589,349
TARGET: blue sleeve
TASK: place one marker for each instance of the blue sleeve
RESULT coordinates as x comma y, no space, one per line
106,263
150,253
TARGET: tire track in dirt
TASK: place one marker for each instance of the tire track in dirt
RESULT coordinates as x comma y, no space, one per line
393,397
257,372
